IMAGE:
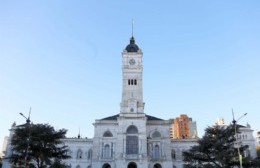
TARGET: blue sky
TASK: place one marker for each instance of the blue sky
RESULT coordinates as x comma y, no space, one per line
63,59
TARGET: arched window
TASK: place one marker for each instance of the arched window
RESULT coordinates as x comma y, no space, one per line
79,154
106,151
173,154
107,134
156,134
156,152
132,140
132,81
132,130
129,82
90,154
135,82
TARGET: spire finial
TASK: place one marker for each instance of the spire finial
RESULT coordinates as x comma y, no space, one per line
79,134
132,27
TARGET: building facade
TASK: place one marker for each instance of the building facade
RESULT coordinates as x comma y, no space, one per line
183,128
3,151
131,138
244,136
258,137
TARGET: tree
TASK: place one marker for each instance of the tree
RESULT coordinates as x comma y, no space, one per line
1,162
216,149
256,161
37,145
258,150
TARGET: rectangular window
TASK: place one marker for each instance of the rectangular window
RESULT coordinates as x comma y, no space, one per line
131,145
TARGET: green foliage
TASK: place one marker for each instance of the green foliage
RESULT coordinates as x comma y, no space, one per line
256,162
38,145
215,149
58,164
258,150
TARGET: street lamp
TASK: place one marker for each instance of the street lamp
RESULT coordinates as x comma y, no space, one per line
238,150
28,122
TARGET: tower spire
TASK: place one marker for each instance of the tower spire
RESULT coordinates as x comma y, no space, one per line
79,134
132,27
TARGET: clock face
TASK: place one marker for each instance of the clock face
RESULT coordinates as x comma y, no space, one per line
132,61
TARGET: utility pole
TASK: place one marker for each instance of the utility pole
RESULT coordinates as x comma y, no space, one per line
28,124
238,149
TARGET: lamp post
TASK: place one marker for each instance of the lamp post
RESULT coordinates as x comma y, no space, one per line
238,150
28,122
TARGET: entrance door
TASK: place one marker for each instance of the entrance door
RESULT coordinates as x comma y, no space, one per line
157,166
106,166
132,165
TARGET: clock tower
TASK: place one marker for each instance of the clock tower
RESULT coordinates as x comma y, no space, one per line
132,68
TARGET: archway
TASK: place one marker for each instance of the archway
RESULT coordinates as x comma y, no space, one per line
132,165
106,165
157,165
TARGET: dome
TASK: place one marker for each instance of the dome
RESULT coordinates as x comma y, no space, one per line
132,47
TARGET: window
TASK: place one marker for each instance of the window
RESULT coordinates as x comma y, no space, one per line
107,134
156,152
131,145
106,151
156,134
173,154
132,130
89,154
132,82
79,154
132,140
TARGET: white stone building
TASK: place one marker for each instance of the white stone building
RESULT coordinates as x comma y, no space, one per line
244,137
3,151
131,138
258,137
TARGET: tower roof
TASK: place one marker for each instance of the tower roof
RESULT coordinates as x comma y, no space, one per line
132,47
